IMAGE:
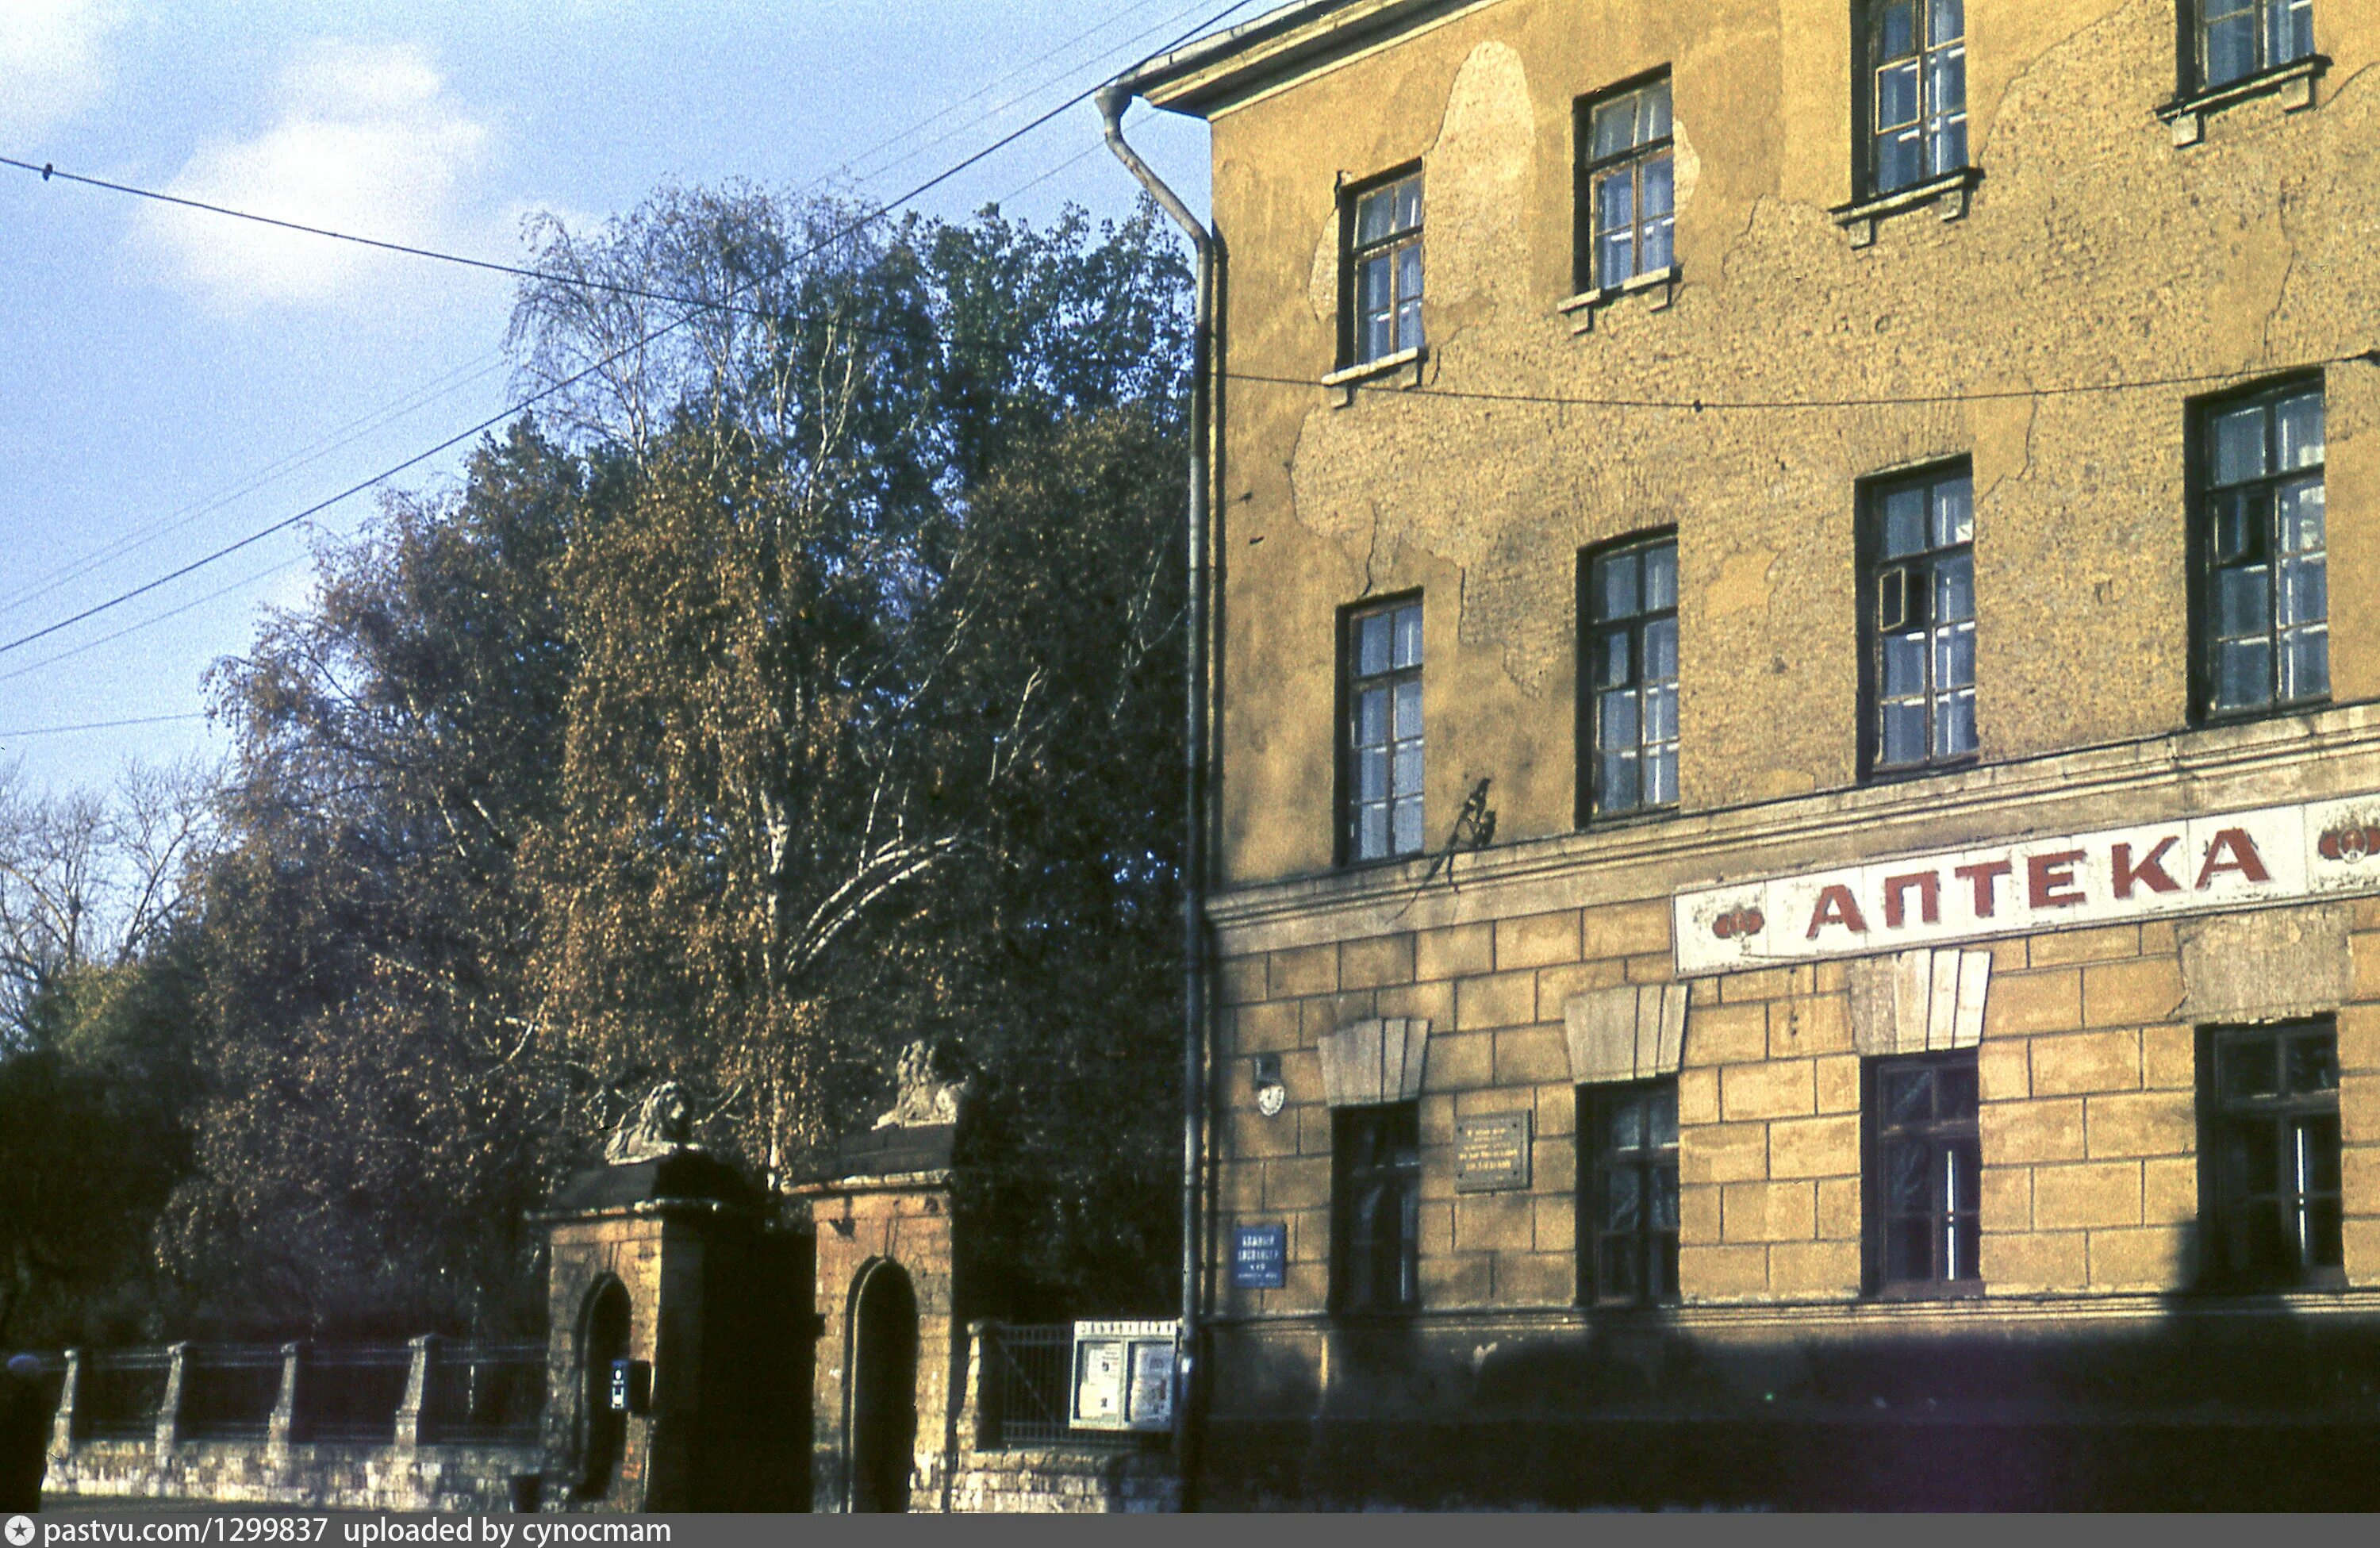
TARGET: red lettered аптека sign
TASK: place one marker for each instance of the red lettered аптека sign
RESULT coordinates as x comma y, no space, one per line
2240,860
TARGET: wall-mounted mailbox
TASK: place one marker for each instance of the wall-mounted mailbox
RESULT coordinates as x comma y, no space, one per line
1123,1375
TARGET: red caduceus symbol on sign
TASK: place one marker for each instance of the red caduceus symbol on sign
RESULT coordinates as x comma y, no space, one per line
1738,921
2352,843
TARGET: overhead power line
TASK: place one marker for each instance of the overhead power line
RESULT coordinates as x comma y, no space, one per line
550,389
98,726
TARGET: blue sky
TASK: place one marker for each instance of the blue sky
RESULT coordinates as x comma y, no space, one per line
175,381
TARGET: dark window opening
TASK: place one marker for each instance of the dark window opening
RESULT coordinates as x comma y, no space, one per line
1384,270
2264,603
2270,1192
1924,1173
1627,186
1916,91
1384,740
1376,1207
1628,1210
2235,39
1629,708
1919,662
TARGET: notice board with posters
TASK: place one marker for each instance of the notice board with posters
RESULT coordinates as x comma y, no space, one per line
1123,1375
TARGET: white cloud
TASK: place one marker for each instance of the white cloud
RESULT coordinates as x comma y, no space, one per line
54,62
365,140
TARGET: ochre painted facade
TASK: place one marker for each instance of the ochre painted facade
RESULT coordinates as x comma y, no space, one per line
2023,330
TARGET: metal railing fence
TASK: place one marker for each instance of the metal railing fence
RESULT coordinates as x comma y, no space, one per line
484,1393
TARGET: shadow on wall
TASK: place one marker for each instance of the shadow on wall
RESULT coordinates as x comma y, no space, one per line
2196,1403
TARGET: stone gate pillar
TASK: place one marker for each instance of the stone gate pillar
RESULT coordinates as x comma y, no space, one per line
892,1357
663,1258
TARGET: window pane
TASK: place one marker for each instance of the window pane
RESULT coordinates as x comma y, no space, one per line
1946,83
1954,657
1661,778
1896,32
1372,645
1657,251
1407,833
1409,204
1408,637
1945,19
2305,597
1904,665
1898,161
1408,771
1612,657
1617,723
2238,529
1372,717
2312,1063
1896,95
1617,1277
2247,1067
1661,577
1954,1095
1372,833
1656,116
1624,1199
2299,508
1661,650
1954,512
2231,49
1660,196
1907,1095
1616,586
1408,724
2306,665
2322,1231
1373,217
1904,733
1372,775
2317,1148
1908,1182
1664,1199
1908,1253
1954,589
2242,601
1904,522
1615,126
1409,272
1947,146
1617,784
1954,725
2244,673
2238,441
2298,421
1661,1118
1660,714
2290,35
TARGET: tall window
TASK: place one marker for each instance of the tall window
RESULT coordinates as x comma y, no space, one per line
2269,1185
1627,195
1921,615
2235,39
1925,1167
2267,607
1917,91
1630,708
1384,270
1628,1211
1384,732
1376,1207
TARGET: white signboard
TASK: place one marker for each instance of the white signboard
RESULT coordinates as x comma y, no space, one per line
2241,859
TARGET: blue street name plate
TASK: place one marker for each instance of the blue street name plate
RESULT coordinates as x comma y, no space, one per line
1259,1257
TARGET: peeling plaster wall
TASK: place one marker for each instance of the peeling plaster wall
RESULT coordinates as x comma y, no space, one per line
2096,250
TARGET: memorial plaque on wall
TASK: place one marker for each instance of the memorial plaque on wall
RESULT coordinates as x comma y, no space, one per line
1260,1256
1491,1152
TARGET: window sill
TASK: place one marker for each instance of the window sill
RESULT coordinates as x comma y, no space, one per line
1662,284
2211,720
1931,1289
2293,83
1953,191
1634,817
1345,380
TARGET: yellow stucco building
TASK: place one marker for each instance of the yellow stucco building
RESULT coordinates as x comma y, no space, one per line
1797,753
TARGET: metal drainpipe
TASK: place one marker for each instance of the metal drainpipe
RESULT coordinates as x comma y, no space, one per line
1112,101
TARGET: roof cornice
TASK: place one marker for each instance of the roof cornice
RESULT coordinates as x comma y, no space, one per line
1221,71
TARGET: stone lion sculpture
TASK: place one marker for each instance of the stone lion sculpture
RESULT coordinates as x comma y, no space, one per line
662,1124
932,1091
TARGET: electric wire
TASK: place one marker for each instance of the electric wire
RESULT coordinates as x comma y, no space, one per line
100,725
552,388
